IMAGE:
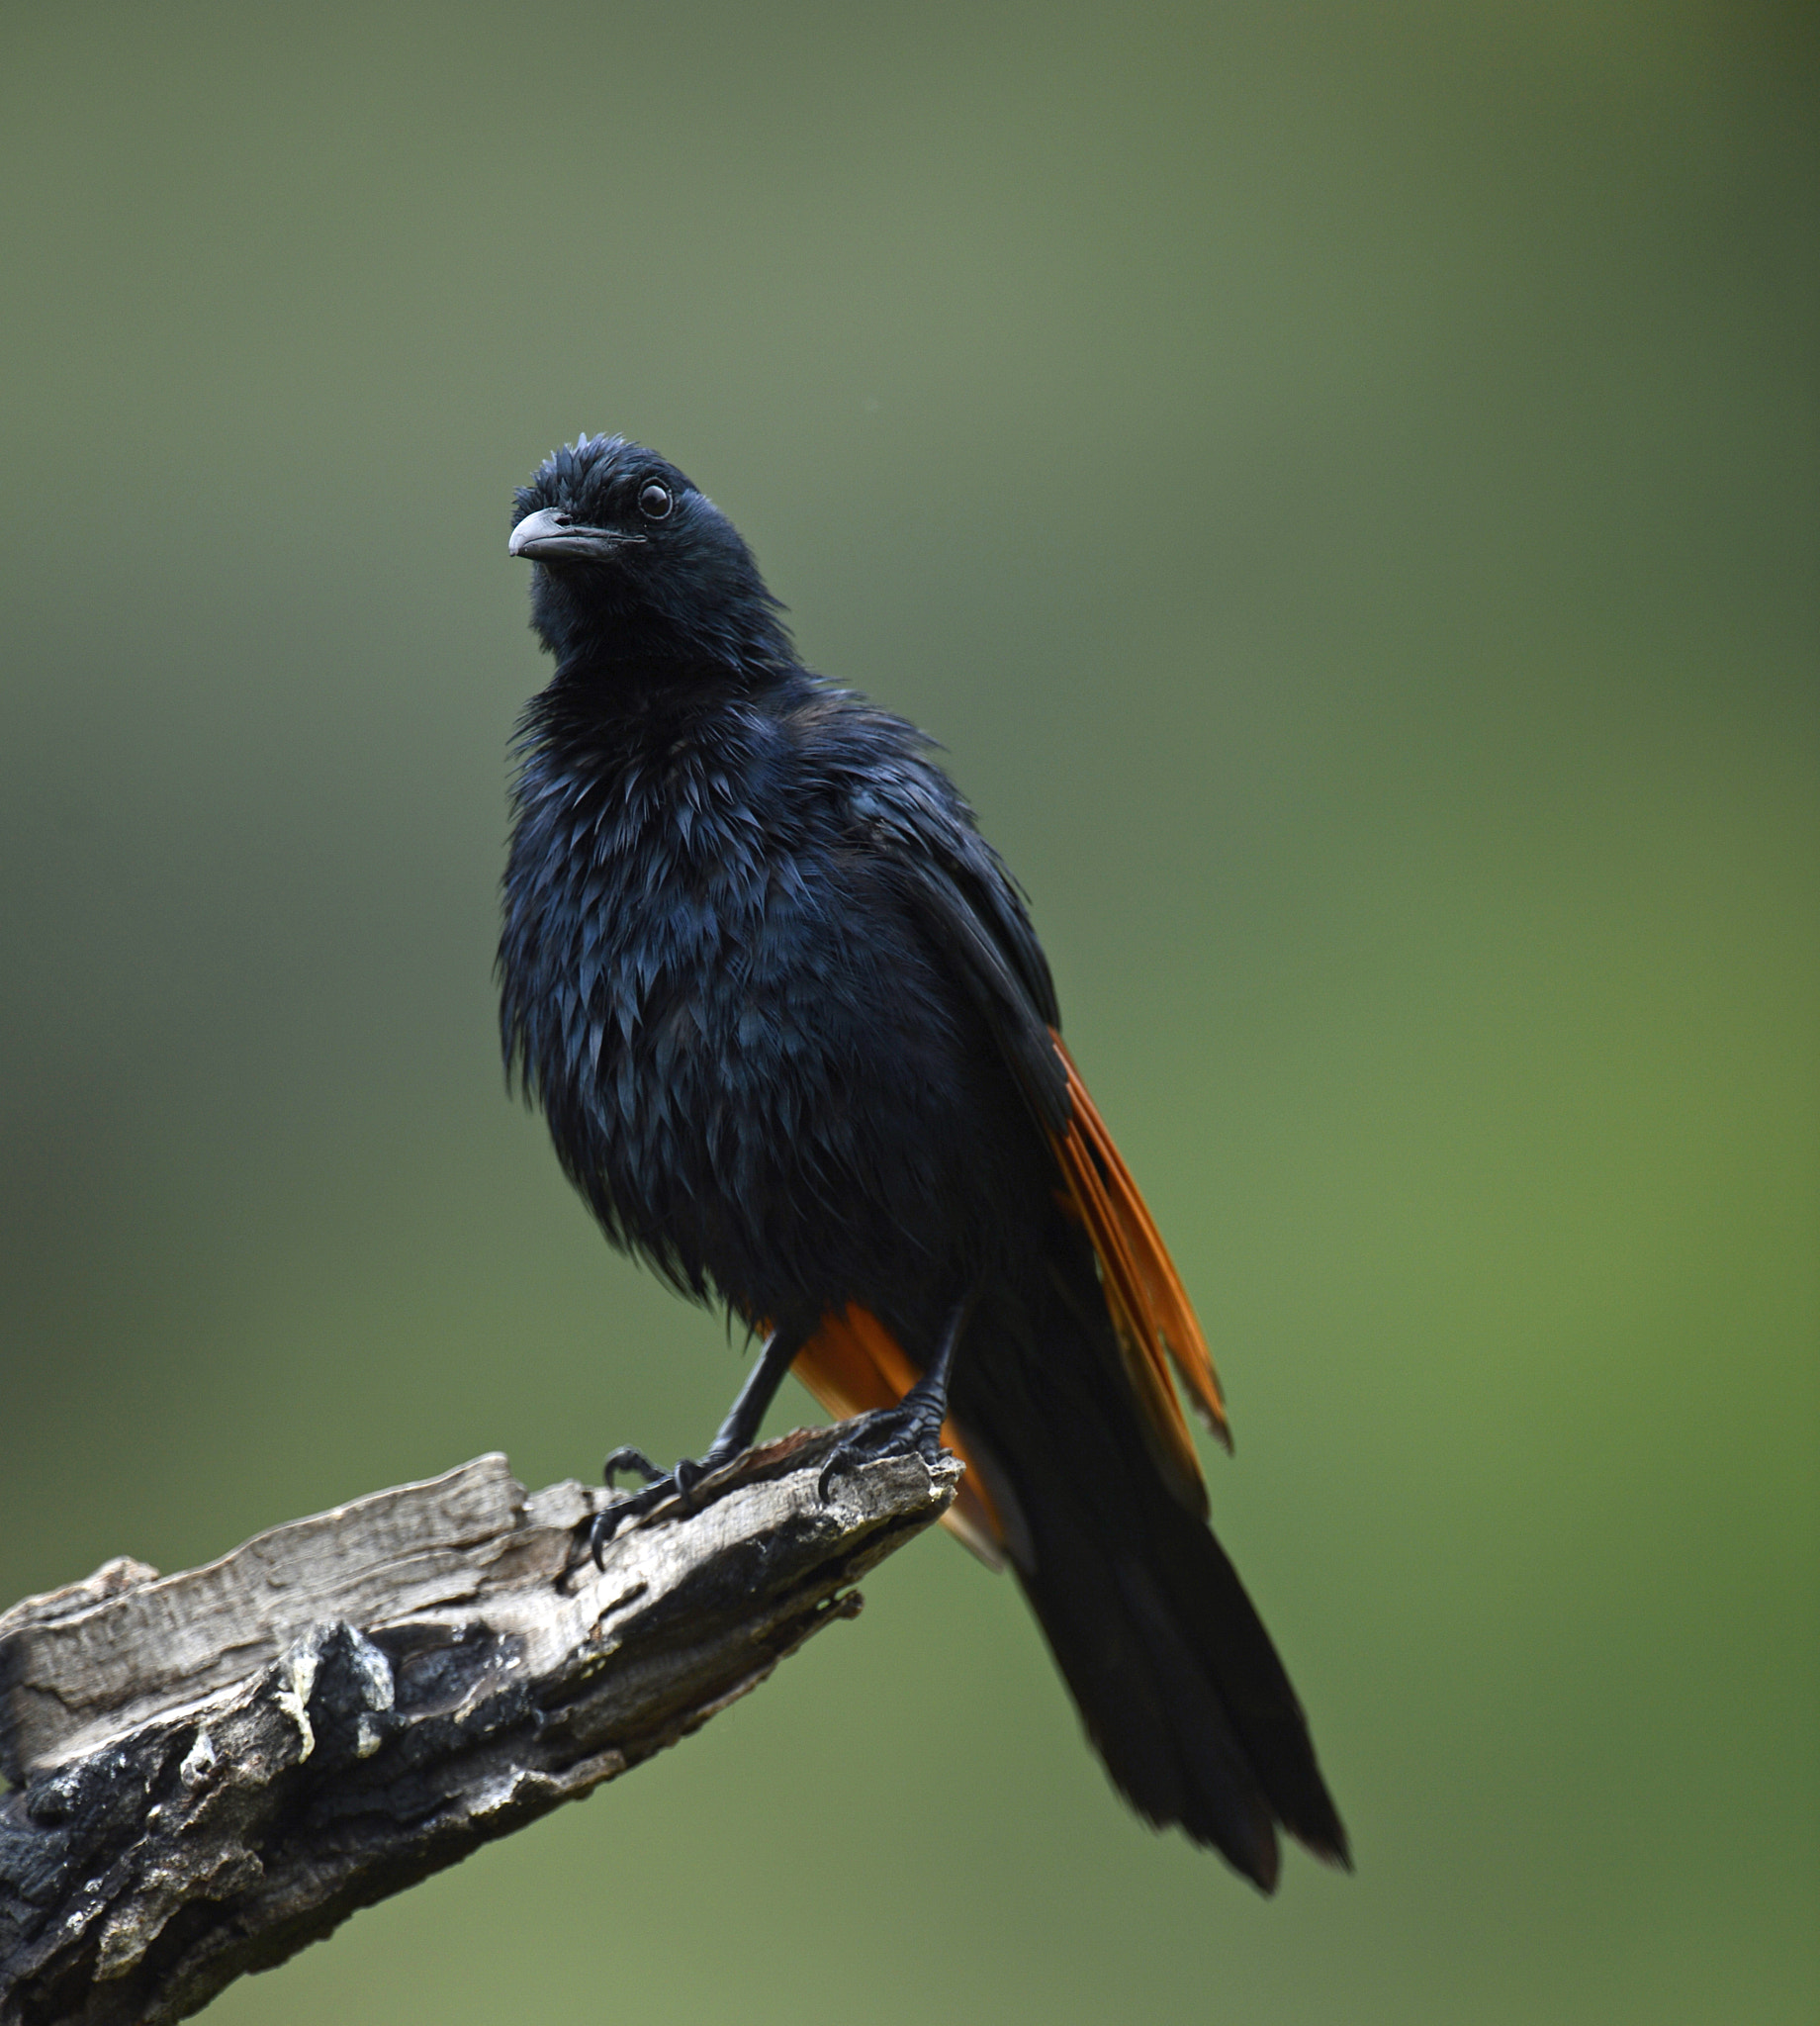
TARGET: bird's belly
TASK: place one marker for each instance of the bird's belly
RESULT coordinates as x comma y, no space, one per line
795,1119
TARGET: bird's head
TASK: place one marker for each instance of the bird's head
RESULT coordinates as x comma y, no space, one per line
634,565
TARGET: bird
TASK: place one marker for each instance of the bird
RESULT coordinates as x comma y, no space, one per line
798,1048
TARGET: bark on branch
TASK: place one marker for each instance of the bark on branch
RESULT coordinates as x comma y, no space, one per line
212,1768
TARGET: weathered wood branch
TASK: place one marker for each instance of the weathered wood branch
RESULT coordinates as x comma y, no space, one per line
212,1768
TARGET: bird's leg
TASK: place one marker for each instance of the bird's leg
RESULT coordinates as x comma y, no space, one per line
914,1425
734,1435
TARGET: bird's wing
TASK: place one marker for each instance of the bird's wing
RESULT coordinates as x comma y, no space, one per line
972,913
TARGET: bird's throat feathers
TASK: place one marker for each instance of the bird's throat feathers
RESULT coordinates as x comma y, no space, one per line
614,633
647,761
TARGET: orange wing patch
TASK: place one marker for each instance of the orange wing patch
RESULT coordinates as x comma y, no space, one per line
854,1364
1150,1306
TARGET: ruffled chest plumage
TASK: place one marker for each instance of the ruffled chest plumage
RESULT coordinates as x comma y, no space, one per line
637,896
713,987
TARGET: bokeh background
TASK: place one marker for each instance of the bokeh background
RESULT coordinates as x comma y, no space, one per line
1342,484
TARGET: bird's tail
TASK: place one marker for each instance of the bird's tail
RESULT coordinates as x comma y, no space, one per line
1070,1481
1083,1476
1176,1679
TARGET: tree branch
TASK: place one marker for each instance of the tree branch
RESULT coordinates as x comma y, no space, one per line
212,1768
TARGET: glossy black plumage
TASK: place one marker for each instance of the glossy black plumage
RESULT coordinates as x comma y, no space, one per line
784,1012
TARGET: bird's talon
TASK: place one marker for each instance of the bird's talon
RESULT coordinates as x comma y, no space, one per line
902,1430
681,1481
628,1458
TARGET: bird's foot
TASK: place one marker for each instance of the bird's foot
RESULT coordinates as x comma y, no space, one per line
677,1482
913,1427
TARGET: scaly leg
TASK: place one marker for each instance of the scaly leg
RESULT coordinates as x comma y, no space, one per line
914,1425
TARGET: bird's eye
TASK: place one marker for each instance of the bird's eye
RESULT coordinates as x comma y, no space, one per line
654,502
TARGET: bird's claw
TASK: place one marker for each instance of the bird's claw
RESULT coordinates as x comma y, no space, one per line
679,1482
627,1458
911,1428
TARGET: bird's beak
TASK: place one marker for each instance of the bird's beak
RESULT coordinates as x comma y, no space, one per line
551,535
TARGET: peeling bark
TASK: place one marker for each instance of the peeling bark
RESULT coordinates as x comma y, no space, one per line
210,1770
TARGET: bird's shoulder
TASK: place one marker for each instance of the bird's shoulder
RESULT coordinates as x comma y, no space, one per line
897,808
873,768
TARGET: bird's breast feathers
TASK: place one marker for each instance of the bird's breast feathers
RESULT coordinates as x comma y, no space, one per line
685,972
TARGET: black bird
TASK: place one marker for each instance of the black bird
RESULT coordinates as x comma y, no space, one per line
797,1047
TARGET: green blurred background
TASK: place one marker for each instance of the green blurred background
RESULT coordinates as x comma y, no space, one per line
1342,483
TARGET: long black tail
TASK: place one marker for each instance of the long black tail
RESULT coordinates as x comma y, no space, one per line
1179,1684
